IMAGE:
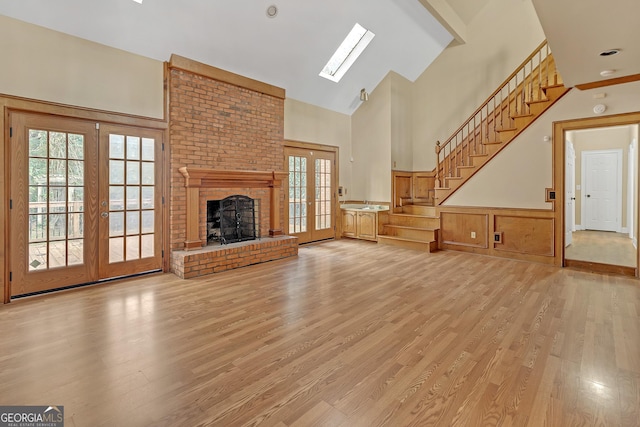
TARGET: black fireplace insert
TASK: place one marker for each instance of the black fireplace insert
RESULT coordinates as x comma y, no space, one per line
230,220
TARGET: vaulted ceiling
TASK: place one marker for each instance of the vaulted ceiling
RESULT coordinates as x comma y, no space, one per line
577,31
288,50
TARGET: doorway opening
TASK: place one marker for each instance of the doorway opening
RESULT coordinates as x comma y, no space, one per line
600,197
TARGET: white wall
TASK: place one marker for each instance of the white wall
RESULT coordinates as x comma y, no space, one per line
46,65
518,176
498,39
308,123
371,146
401,123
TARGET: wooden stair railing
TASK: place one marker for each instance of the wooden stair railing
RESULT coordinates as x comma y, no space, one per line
505,112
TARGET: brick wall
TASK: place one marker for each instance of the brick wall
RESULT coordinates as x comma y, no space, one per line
217,125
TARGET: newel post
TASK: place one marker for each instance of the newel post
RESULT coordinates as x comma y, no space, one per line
438,148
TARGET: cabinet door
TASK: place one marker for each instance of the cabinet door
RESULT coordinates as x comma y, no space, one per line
349,223
367,225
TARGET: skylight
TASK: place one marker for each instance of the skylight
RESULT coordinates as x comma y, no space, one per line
349,50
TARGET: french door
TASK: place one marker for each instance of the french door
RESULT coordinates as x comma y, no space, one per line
85,203
311,191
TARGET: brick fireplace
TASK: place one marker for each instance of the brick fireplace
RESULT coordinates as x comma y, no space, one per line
227,138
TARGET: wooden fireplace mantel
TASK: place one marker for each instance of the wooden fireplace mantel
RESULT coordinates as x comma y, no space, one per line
197,178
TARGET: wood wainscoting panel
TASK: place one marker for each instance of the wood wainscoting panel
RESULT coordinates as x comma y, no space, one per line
464,229
524,234
423,185
401,185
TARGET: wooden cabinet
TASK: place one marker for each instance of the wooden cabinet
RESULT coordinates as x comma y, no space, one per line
360,225
349,219
367,225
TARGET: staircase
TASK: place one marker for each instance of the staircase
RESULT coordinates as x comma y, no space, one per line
415,227
523,97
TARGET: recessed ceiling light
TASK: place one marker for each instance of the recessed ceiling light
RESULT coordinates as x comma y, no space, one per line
347,53
272,11
609,52
607,73
138,1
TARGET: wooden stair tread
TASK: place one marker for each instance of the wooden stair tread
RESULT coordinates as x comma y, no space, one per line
506,129
404,239
517,116
479,155
466,167
492,143
552,86
536,101
411,215
407,243
406,227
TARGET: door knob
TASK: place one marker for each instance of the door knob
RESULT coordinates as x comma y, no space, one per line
104,214
573,198
588,195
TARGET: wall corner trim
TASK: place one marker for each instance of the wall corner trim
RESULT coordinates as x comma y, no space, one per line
186,64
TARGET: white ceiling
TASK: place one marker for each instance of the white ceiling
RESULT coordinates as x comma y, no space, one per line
577,31
286,51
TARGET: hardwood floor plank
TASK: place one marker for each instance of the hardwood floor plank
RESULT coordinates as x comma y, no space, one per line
348,333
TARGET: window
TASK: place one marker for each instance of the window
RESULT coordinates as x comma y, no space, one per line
344,57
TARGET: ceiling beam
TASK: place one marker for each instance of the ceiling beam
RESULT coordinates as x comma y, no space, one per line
609,82
448,18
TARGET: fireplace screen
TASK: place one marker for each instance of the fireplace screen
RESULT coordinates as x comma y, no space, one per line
231,220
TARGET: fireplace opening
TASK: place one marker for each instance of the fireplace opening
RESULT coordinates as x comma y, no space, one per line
231,220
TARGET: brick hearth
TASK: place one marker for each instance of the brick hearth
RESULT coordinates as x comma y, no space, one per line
217,258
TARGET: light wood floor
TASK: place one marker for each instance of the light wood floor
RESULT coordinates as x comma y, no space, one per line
603,247
350,333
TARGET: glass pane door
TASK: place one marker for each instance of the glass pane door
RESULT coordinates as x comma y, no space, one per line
323,193
130,211
297,194
324,187
51,220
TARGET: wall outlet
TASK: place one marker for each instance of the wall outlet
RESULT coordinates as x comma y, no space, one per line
473,234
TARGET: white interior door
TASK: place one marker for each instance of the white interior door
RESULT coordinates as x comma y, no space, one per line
570,195
602,189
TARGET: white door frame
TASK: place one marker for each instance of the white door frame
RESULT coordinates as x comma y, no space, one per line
618,153
631,188
570,193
